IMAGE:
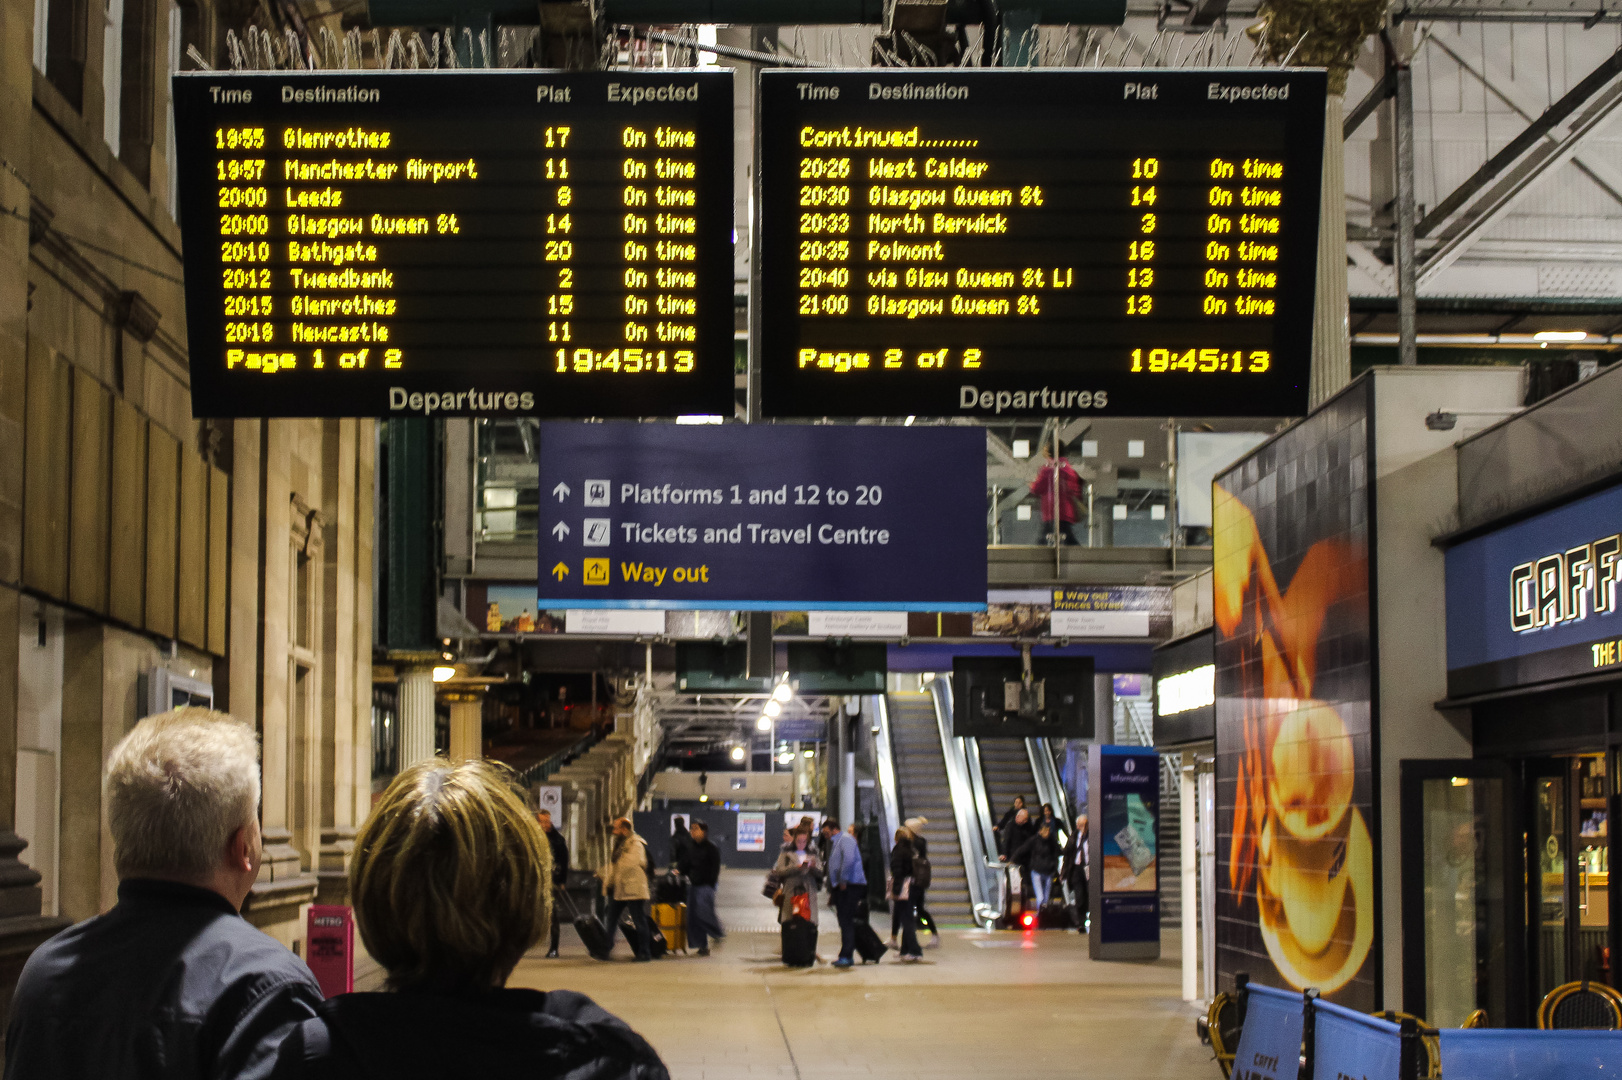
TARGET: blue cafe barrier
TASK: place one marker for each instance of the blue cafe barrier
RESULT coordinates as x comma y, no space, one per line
1270,1041
1348,1043
1526,1054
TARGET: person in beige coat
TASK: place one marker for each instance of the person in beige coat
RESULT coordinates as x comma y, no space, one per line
799,873
625,883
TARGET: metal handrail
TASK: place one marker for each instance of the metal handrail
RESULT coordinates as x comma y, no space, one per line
1049,785
547,766
884,751
964,809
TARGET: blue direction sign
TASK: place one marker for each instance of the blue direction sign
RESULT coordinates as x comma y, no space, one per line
762,517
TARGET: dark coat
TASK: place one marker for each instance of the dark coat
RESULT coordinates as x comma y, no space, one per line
560,856
681,842
171,983
504,1033
1039,854
900,865
703,864
1014,837
1075,859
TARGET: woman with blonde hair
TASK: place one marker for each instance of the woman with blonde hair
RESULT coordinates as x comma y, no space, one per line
451,885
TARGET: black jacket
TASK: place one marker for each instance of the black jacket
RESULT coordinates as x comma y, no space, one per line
512,1034
560,856
1040,855
703,863
1014,837
681,842
171,983
1008,818
1075,861
900,865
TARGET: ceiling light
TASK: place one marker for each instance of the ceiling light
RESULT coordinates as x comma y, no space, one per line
737,753
763,724
1560,335
703,798
810,753
783,692
773,708
785,759
444,674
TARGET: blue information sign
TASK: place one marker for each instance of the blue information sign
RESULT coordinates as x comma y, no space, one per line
1124,806
762,517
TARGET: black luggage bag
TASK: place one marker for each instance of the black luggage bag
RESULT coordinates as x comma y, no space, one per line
657,945
670,888
593,934
1054,915
799,942
868,944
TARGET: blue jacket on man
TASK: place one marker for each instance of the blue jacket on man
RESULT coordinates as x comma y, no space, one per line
845,862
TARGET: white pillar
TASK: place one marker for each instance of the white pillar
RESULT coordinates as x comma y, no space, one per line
416,715
467,727
1331,334
1186,848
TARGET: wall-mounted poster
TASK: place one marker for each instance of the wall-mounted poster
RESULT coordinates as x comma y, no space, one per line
751,832
1295,863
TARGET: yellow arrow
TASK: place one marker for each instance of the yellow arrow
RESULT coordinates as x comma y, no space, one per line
560,571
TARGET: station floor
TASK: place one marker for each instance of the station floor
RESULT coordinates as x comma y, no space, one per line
982,1005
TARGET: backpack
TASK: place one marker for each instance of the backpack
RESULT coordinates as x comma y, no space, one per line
920,872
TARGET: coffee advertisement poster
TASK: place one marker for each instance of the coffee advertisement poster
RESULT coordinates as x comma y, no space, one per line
1295,790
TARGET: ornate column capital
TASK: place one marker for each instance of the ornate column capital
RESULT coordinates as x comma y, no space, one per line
1320,33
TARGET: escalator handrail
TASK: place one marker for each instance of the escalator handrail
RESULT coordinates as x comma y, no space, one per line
888,789
965,806
1049,785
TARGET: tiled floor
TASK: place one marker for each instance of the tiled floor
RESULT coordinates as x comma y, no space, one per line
982,1006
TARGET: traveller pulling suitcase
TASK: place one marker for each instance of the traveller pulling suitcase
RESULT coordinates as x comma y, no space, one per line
593,934
868,944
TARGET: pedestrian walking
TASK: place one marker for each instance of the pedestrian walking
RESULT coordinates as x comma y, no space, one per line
901,855
703,870
1075,871
922,874
560,873
625,883
1058,488
1040,854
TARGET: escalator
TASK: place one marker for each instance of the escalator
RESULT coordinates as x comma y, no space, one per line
921,782
1006,766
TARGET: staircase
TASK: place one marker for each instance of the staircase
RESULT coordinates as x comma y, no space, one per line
1134,726
1007,770
921,777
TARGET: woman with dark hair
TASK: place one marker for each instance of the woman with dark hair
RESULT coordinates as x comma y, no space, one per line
451,880
901,870
798,873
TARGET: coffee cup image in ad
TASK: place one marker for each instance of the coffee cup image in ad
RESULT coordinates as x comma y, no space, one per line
1315,888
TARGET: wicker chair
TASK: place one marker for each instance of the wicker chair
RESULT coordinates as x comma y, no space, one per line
1428,1038
1581,1005
1477,1019
1219,1029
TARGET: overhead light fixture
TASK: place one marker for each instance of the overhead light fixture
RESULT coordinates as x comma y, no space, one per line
698,418
737,753
444,674
703,798
773,708
1560,335
810,753
784,691
763,724
785,759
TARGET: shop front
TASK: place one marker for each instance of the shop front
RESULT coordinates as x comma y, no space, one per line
1509,893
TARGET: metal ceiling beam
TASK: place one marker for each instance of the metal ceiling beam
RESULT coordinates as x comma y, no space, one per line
1497,82
1533,166
1527,143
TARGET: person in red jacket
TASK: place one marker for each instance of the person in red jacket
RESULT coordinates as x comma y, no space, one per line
1058,489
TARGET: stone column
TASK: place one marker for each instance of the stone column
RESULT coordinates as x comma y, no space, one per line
416,713
467,724
1327,34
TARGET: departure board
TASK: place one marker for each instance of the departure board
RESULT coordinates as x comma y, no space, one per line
1037,243
458,242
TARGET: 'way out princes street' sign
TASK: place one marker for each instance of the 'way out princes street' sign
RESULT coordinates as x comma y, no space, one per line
762,517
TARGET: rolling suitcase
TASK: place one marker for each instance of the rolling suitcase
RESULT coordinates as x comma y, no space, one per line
672,919
596,938
1054,915
868,944
799,942
657,944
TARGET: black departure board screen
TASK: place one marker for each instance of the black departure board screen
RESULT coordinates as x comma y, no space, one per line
457,242
1023,243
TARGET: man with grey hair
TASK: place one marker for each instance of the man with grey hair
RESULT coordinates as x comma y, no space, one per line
171,982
